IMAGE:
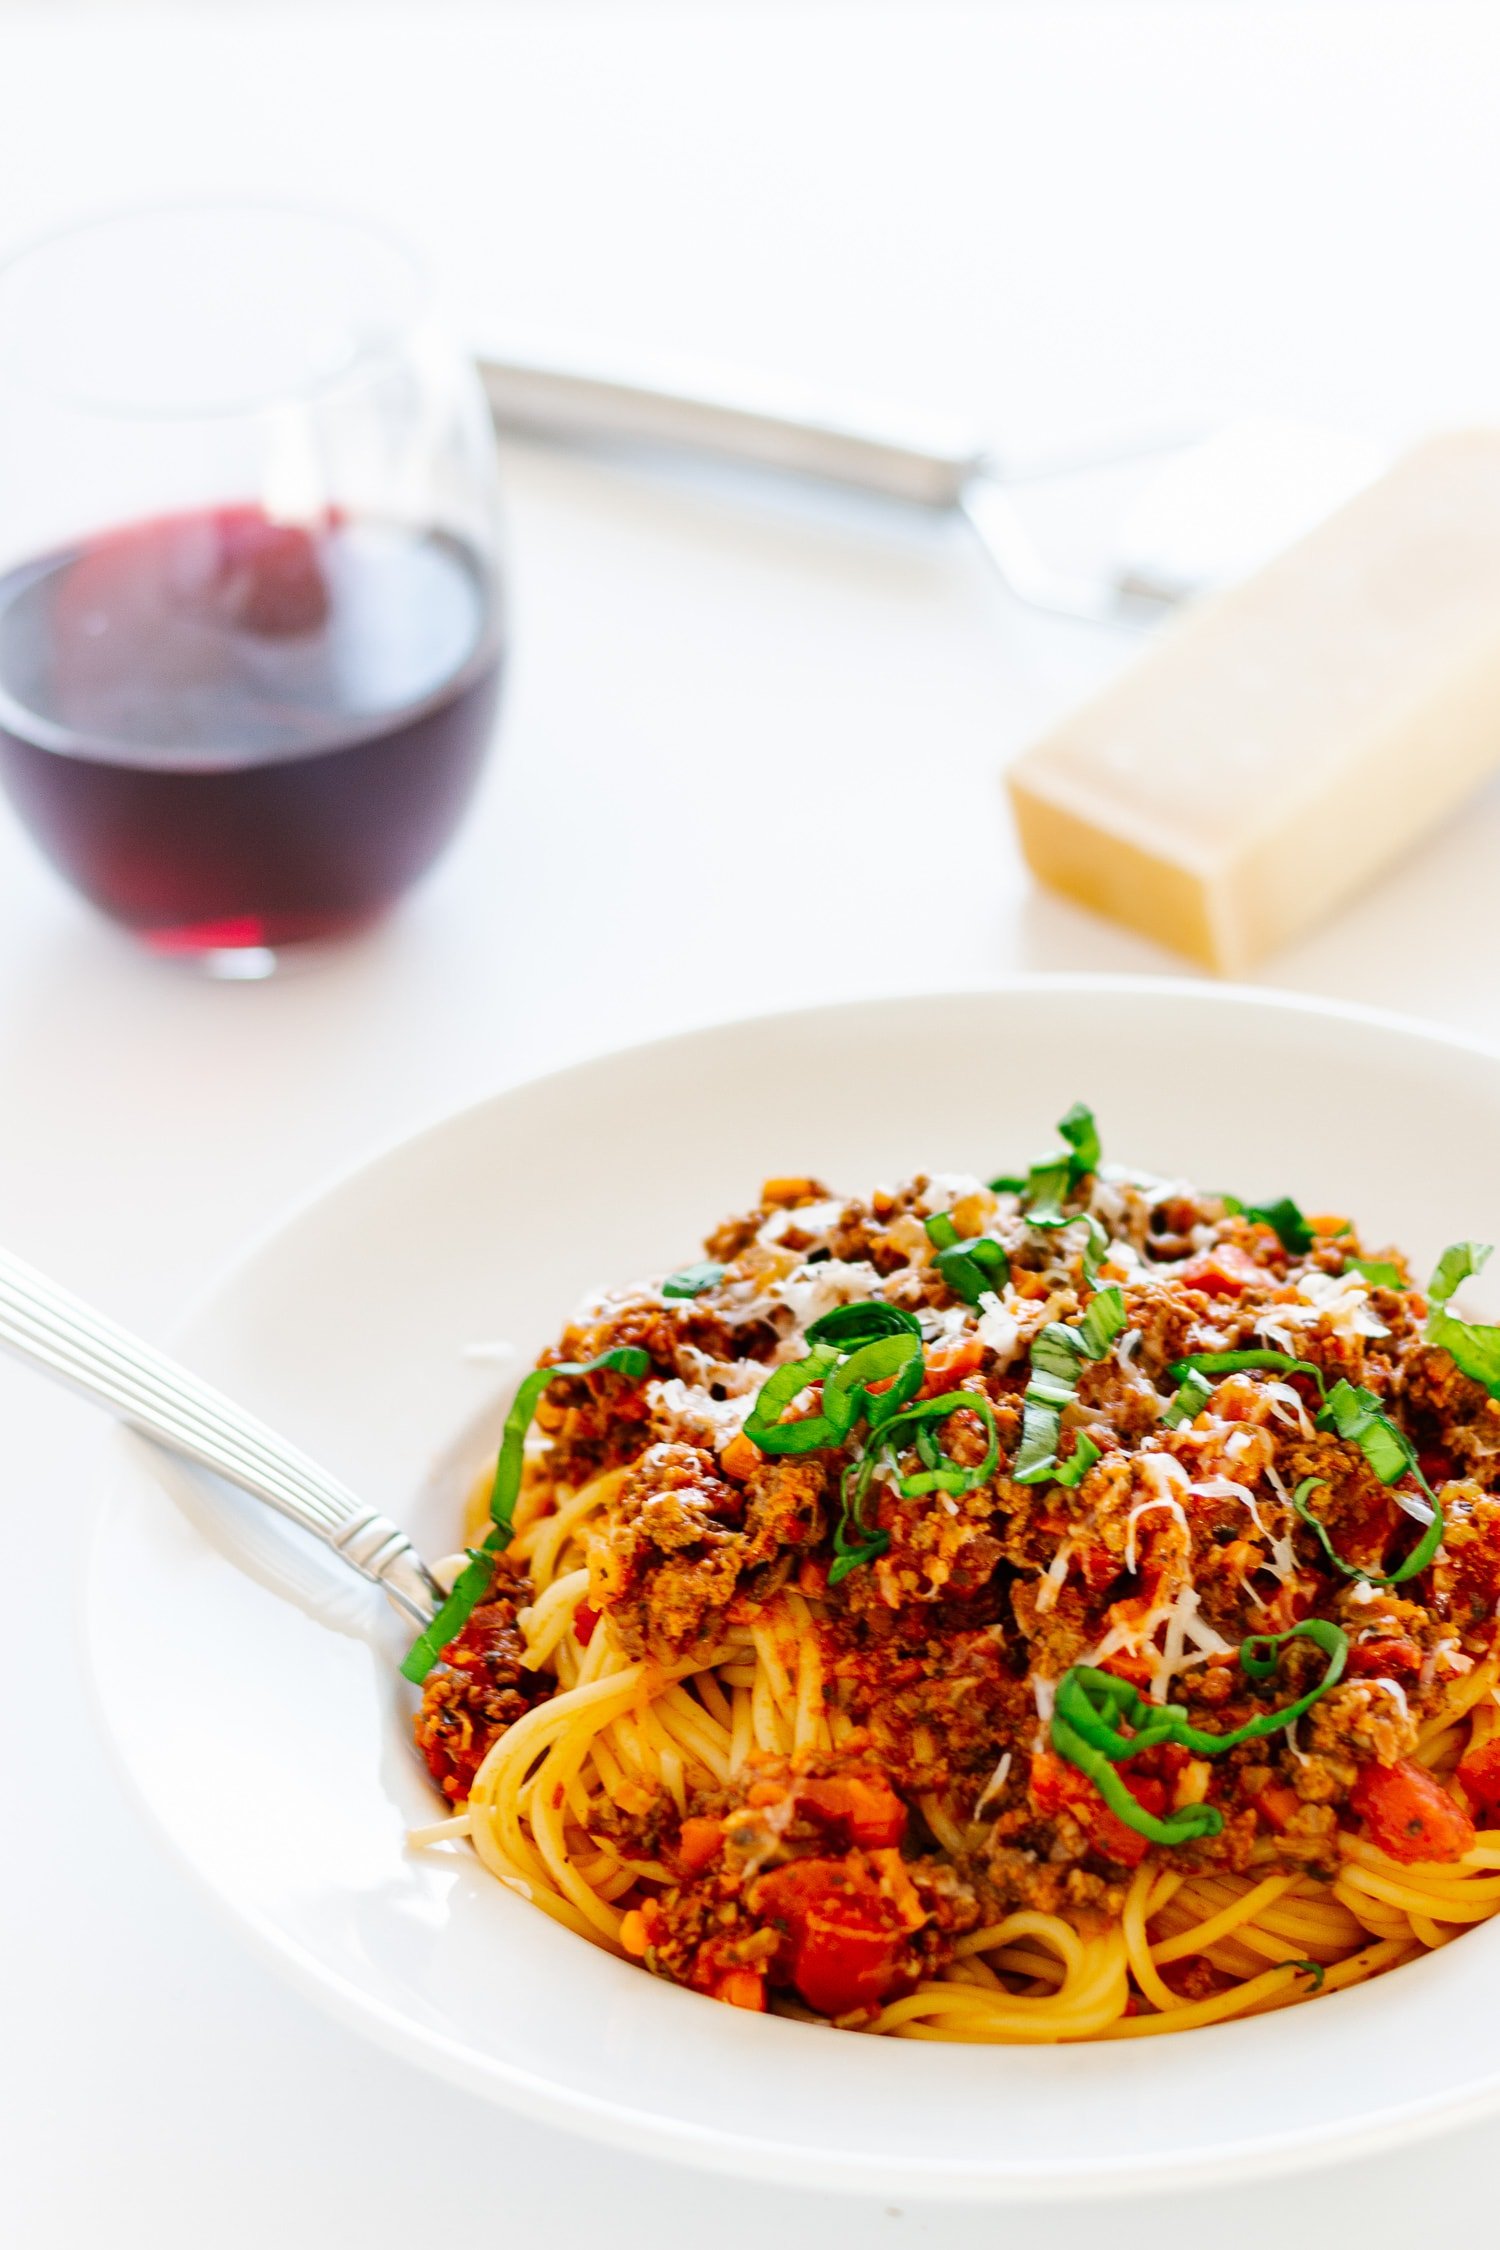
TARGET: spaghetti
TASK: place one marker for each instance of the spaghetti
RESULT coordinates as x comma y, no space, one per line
979,1613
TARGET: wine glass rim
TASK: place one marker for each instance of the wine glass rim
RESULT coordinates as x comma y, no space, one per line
363,364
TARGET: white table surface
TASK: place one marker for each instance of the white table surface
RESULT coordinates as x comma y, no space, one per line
1062,221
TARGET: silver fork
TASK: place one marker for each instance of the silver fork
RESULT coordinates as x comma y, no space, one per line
54,1331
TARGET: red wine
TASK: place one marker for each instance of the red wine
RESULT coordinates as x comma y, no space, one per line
229,732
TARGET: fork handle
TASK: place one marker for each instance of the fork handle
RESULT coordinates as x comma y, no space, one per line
68,1340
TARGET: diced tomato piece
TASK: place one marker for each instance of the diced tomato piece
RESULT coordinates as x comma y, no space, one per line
1131,1665
948,1364
1058,1787
863,1808
698,1846
1409,1815
1392,1654
846,1955
845,1934
1225,1272
1436,1467
742,1988
585,1618
1480,1774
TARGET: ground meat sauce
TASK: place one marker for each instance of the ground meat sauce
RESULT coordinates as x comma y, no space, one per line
483,1689
838,1881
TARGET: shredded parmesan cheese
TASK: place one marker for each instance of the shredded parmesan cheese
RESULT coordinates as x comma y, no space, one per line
994,1785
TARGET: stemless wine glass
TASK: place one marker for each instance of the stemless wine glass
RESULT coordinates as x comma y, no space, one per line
250,619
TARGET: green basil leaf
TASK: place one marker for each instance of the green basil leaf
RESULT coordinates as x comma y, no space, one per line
622,1359
691,1281
1079,1462
1193,1394
1237,1363
846,1392
1420,1556
1459,1263
1052,1178
1058,1355
1473,1347
847,1325
1355,1414
468,1592
1081,1133
1046,1185
1376,1271
1104,1320
1296,1236
975,1268
763,1424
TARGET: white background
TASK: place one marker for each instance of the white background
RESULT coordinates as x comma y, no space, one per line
749,757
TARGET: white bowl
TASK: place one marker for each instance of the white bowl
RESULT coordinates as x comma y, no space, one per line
251,1690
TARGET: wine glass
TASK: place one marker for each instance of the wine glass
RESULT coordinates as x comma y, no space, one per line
250,600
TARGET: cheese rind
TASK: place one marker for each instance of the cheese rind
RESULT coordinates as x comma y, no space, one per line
1271,752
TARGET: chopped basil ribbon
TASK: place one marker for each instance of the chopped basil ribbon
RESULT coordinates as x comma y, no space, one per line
1376,1271
470,1585
1193,1394
1095,1249
1283,1215
693,1280
1355,1414
896,1360
971,1267
1091,1705
862,1323
1079,1462
468,1592
1053,1177
1236,1363
1420,1556
887,1349
623,1359
1474,1349
1347,1411
855,1541
1081,1133
763,1424
1096,1243
1058,1357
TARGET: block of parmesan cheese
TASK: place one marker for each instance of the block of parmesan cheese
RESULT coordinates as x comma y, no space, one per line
1271,752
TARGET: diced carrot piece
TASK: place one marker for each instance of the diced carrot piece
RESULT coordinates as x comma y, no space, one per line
698,1845
948,1364
742,1988
1277,1804
633,1933
740,1458
787,1191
